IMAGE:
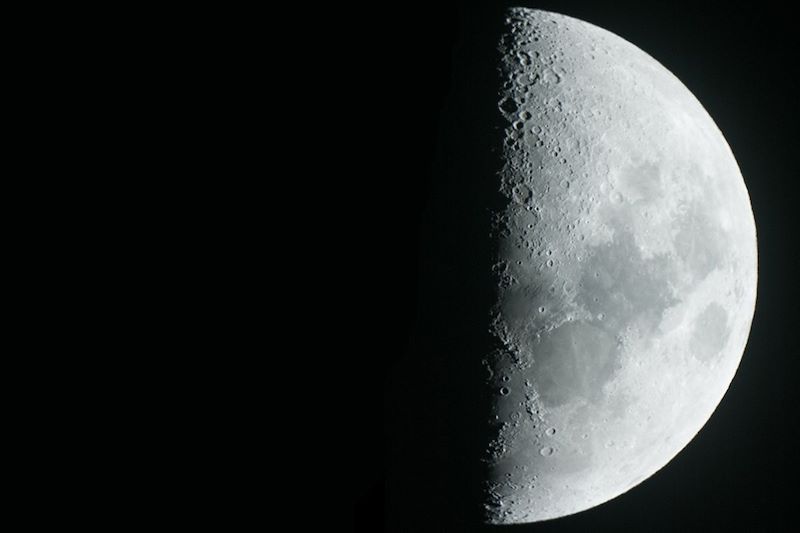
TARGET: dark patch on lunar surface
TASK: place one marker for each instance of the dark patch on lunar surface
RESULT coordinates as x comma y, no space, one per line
710,332
574,361
700,243
620,286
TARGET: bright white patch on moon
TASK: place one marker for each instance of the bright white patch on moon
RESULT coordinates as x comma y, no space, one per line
626,270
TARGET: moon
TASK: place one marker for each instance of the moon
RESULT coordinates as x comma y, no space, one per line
626,271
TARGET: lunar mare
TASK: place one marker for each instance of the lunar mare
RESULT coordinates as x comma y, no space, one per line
626,269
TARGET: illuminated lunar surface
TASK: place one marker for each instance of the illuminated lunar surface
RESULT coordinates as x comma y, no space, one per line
626,270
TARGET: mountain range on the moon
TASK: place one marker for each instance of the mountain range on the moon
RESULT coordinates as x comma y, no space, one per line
587,280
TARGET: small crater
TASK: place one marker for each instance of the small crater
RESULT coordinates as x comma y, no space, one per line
508,105
547,451
522,193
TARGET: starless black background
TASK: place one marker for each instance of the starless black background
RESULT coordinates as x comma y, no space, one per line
741,469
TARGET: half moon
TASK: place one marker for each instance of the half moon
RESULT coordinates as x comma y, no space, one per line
626,273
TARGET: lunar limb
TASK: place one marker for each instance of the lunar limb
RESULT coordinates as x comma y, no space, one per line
626,270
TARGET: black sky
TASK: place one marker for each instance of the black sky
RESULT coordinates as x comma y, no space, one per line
741,471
